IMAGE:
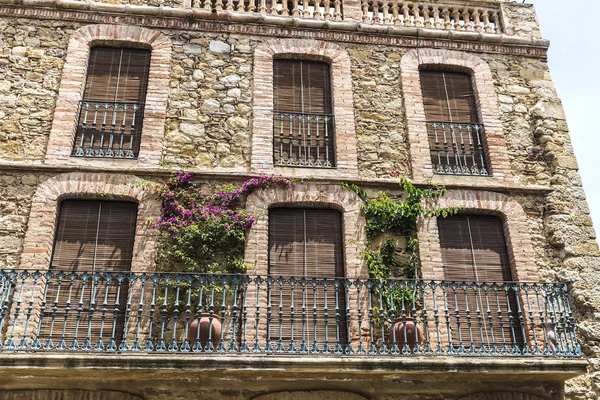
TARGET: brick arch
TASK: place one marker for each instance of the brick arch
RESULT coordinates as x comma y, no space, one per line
39,238
72,83
502,396
516,232
343,110
487,103
305,195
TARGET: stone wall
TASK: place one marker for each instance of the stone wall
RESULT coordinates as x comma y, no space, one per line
208,128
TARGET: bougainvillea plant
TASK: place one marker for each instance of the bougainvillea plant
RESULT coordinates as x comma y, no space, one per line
203,230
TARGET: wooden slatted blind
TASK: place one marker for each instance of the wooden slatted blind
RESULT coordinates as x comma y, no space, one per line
448,97
90,236
302,87
474,250
117,75
307,243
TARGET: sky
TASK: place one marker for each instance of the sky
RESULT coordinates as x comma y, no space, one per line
574,59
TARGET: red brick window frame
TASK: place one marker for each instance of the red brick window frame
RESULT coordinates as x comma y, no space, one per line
343,109
495,146
39,237
516,233
62,134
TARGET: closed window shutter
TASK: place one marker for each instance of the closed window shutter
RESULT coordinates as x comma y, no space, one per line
302,87
90,236
117,75
117,78
474,250
307,243
448,97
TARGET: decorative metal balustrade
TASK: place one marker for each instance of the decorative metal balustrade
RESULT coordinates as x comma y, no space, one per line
156,312
457,148
433,15
108,130
303,140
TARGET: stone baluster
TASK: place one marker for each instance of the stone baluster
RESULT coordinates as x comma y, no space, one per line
317,14
496,20
447,21
229,6
437,19
306,13
327,9
427,16
262,8
375,10
466,17
395,16
486,22
416,15
386,15
273,10
219,5
337,4
406,14
241,6
207,5
455,19
476,20
284,8
365,8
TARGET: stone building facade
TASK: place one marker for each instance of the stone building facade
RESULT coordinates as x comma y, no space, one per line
209,110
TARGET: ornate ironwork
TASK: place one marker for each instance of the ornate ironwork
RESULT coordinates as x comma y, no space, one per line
108,130
303,140
457,148
108,312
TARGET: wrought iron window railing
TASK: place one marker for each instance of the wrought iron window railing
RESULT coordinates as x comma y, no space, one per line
303,140
108,130
457,148
156,312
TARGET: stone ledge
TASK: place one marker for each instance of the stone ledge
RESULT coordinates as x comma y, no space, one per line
237,174
422,368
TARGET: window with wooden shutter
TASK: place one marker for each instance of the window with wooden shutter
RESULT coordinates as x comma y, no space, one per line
112,108
95,236
303,114
474,250
307,243
454,131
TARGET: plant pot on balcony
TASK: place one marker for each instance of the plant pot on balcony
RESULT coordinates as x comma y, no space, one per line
408,326
207,321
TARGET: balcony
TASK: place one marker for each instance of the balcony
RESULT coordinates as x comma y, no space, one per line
245,315
303,140
108,130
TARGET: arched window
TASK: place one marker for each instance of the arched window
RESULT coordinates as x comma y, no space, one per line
303,115
307,242
112,108
94,236
454,130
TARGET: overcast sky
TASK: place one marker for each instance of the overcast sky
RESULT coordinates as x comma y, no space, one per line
574,59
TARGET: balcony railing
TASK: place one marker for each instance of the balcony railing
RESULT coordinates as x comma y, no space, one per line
457,148
433,16
317,9
102,312
303,140
108,130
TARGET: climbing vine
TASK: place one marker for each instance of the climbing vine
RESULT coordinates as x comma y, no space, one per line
386,217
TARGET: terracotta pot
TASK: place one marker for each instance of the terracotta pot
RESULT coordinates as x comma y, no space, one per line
205,323
409,327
